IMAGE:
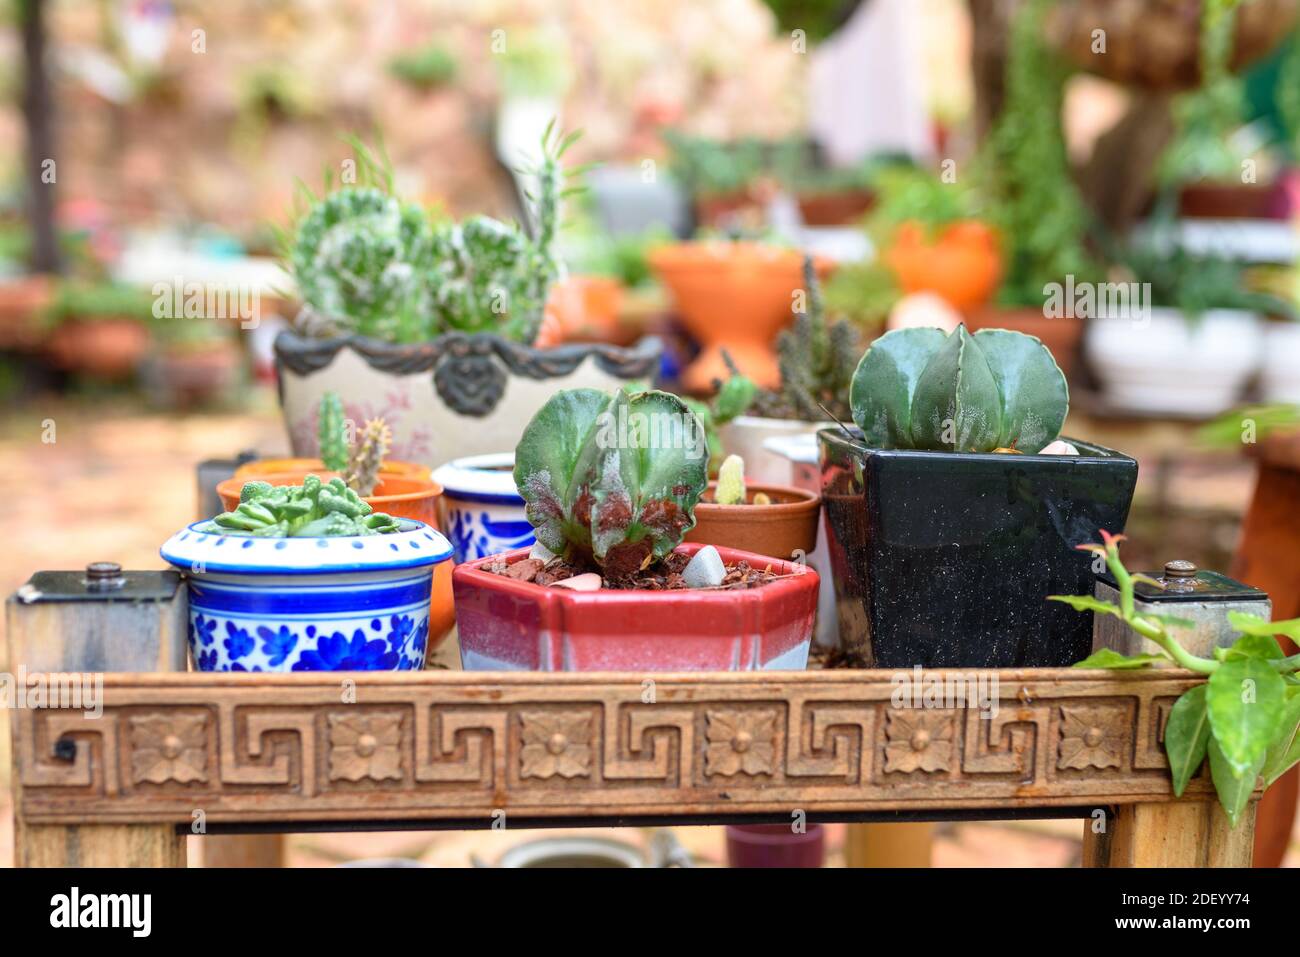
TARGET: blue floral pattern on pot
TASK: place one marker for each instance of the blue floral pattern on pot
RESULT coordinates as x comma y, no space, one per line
309,604
485,514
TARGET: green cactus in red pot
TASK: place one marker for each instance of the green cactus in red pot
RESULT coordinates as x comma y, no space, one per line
612,480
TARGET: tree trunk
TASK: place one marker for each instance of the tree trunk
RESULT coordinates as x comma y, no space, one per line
38,112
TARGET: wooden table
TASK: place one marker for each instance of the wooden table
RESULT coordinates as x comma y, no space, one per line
181,753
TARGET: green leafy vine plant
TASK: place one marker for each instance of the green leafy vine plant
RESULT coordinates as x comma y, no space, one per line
1244,719
612,480
314,509
995,390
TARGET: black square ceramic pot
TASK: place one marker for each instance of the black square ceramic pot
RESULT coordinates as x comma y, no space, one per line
943,559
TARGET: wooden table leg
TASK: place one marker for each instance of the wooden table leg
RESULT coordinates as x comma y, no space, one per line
1174,834
243,850
98,845
888,845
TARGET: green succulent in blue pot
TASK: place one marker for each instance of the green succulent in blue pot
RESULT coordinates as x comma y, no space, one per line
954,501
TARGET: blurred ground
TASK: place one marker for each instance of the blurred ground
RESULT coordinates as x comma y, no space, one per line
116,481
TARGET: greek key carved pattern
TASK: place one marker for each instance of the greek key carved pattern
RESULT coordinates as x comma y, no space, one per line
460,747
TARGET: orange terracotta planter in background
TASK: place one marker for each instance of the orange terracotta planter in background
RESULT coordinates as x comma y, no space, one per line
963,263
402,496
257,469
733,296
783,529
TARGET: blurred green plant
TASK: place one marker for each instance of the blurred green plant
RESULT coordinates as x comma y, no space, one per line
425,68
1025,173
1230,430
1194,284
534,63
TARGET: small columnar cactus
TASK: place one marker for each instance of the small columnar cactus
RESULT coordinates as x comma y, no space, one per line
314,509
731,482
332,431
922,389
612,479
368,457
815,359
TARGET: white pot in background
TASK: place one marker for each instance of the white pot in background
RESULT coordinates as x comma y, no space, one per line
745,436
1279,377
1169,365
800,455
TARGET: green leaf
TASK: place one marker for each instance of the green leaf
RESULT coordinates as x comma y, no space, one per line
551,471
1254,625
1034,392
1088,603
1234,788
956,406
1284,751
1187,733
880,395
645,491
1263,647
1109,658
1245,702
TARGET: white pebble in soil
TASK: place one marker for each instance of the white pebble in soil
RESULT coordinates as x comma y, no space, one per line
588,582
1059,447
705,569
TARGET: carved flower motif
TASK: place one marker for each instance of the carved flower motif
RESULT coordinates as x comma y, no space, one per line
365,746
918,740
169,748
555,742
1091,737
740,741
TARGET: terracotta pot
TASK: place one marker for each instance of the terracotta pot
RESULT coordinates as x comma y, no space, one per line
106,348
257,469
586,308
185,377
735,296
1061,336
721,209
22,302
1209,200
512,625
962,263
787,528
835,209
453,396
402,496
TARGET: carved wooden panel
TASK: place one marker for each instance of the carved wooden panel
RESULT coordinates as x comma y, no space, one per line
461,746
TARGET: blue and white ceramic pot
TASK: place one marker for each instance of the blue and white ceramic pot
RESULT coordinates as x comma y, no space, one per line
356,603
484,513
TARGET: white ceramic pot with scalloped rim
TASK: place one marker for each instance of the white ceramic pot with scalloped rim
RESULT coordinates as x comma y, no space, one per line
453,396
1170,364
341,603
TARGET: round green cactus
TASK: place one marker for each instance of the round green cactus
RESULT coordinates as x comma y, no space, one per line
920,389
361,259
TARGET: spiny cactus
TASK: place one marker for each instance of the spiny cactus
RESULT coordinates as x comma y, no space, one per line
816,362
613,480
731,482
368,456
998,389
332,432
314,509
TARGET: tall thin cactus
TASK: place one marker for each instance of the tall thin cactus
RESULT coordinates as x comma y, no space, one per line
368,457
333,433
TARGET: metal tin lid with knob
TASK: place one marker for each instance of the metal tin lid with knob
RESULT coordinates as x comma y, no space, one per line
1202,598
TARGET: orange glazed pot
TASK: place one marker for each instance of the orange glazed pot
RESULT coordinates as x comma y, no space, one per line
586,308
733,296
783,529
401,496
963,263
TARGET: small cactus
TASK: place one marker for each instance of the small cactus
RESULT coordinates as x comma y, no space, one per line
731,482
368,456
333,433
